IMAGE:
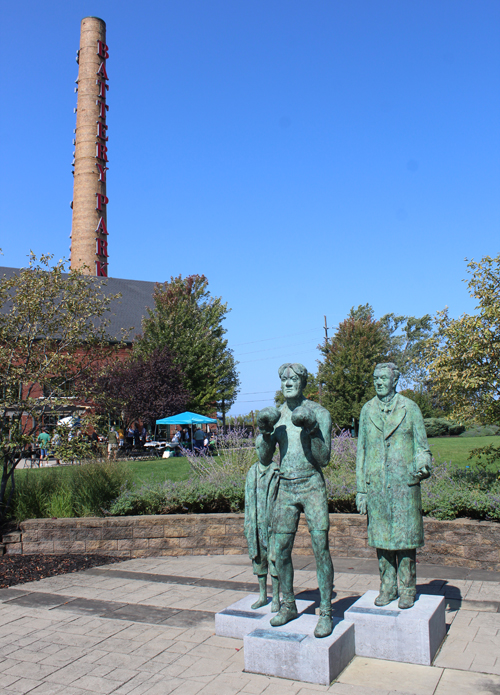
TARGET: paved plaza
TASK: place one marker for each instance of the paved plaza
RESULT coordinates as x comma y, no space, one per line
146,627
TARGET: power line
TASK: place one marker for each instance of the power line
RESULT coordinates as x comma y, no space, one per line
262,400
279,347
275,357
290,335
256,393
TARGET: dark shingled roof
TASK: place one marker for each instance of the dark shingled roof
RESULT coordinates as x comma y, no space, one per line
128,311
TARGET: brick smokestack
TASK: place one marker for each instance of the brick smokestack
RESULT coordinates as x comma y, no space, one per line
89,233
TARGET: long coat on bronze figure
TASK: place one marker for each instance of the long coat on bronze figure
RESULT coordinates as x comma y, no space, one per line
391,449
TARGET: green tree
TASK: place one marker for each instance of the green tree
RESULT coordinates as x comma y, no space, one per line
423,400
144,387
348,361
188,320
464,354
53,335
406,336
228,390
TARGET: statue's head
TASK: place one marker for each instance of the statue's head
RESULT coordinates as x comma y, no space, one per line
293,379
385,378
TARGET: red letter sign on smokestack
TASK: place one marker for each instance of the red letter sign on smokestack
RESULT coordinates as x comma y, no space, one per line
89,243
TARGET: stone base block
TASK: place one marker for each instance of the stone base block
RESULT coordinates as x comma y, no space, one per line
412,635
291,651
238,619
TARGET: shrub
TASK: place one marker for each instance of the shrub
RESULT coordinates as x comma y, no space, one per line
94,486
218,484
193,495
340,474
455,429
440,427
436,426
60,504
235,453
220,487
33,491
423,400
482,431
84,490
451,493
343,452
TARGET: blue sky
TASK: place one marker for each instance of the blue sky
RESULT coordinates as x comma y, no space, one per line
305,156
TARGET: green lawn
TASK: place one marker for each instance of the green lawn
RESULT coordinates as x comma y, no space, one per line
176,468
139,471
456,449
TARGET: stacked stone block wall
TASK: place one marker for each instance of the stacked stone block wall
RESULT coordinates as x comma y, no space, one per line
463,543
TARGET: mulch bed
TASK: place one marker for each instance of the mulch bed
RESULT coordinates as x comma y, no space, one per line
19,569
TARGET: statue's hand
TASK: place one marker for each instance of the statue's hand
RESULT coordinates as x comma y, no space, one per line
361,502
267,418
304,417
418,476
424,472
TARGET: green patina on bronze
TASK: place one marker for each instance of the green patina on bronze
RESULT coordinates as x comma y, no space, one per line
302,430
260,492
392,458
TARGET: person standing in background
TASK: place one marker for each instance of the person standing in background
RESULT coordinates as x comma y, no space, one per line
43,440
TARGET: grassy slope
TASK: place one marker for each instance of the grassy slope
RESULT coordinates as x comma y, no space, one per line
456,449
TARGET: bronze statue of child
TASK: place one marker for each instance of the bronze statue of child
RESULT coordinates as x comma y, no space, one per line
260,491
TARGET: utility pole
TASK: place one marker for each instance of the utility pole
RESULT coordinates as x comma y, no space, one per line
319,380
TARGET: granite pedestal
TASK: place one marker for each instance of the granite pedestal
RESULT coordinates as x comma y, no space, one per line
238,619
291,651
412,635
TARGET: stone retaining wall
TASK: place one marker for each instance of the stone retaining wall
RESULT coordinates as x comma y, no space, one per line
463,543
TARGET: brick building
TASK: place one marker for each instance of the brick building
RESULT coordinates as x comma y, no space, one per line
126,312
126,315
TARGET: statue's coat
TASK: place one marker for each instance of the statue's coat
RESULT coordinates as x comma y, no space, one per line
389,454
260,493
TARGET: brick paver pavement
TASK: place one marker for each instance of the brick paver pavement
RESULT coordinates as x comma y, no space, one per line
146,627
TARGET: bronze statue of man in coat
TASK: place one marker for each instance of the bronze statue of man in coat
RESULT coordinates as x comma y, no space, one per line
392,458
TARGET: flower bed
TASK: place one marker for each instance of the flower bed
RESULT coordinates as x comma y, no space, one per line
218,485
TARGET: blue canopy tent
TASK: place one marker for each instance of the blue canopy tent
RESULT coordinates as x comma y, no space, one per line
186,418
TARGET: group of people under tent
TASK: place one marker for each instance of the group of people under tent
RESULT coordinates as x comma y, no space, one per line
133,437
182,437
136,436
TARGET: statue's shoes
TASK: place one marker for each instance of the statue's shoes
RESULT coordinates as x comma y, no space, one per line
383,599
324,626
406,601
287,612
275,605
258,604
